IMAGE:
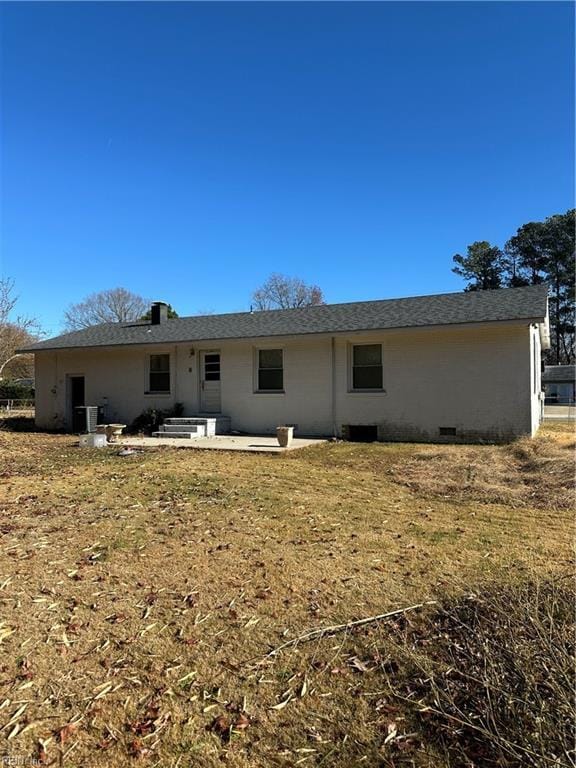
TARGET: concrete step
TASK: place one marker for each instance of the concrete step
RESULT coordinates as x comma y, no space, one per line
184,420
177,435
212,425
195,419
198,429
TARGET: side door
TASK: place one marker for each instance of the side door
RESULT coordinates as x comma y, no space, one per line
210,400
76,398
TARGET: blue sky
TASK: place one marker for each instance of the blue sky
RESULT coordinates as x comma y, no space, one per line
187,150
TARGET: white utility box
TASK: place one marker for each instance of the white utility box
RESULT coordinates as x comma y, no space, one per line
93,441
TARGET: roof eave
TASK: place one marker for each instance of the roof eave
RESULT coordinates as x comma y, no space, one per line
541,322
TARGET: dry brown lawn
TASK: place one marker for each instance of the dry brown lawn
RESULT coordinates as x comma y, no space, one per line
139,596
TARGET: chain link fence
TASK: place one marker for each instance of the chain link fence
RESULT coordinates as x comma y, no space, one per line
11,407
560,411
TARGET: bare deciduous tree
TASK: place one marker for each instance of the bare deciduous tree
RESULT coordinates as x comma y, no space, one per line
116,305
282,292
15,333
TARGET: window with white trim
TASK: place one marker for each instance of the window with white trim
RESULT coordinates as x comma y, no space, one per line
367,367
270,371
159,374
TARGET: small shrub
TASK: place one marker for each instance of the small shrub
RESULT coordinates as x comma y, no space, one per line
150,420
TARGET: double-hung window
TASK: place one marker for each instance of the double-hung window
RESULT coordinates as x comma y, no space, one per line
270,371
367,366
159,374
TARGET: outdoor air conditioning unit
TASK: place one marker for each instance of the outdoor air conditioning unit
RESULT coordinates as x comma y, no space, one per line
87,418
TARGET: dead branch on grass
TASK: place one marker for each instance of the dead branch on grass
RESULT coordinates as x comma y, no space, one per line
334,629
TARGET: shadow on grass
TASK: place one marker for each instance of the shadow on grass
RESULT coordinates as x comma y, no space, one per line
18,424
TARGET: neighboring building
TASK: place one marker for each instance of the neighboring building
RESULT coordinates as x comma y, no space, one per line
559,384
458,366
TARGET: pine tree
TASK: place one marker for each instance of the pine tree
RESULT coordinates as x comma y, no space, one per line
483,266
543,252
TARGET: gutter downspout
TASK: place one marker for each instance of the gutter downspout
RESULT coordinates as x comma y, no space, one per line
333,399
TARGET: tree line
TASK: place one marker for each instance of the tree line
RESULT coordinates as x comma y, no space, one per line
539,252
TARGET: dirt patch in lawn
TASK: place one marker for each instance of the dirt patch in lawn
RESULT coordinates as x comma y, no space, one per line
140,596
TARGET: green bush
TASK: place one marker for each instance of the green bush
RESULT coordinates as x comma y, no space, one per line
14,390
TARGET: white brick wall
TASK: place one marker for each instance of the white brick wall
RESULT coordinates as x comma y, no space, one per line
475,378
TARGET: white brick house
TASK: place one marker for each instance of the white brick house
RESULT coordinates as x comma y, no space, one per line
460,366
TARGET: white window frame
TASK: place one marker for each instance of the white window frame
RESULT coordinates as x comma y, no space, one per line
256,369
370,390
161,393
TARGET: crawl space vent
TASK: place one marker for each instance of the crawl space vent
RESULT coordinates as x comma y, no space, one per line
362,433
448,431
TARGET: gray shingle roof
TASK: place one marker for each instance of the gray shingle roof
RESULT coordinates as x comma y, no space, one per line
559,373
444,309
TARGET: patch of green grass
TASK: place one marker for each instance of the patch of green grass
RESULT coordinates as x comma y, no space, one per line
444,537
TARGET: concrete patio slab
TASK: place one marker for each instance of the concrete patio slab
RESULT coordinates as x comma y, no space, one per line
250,443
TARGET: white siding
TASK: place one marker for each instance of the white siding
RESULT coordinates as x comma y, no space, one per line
478,379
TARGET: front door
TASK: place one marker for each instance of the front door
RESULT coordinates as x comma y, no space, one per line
78,420
210,382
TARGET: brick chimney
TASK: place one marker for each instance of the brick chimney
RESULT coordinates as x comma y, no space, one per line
158,313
